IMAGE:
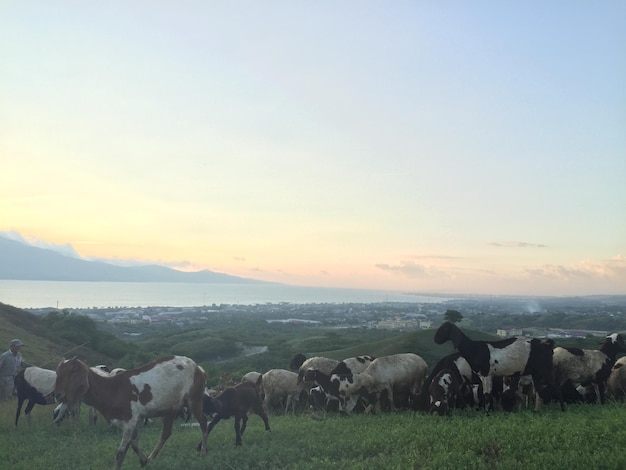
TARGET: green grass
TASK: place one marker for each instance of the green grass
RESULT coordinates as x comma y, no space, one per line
584,437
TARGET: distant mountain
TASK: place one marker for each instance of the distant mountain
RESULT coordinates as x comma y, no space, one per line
19,261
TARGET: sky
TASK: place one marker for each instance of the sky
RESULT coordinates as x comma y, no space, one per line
471,147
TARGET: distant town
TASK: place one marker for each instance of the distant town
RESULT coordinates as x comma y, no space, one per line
502,316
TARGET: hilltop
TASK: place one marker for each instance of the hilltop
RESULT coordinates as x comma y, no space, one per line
20,261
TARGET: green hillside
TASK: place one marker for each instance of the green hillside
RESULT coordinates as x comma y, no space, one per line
45,343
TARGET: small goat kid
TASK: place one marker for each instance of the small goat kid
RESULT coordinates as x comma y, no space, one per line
236,402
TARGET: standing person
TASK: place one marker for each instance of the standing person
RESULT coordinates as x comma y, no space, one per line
10,363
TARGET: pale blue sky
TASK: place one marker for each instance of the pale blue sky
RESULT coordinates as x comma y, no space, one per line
430,146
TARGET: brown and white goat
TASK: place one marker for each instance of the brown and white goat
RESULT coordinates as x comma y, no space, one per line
158,389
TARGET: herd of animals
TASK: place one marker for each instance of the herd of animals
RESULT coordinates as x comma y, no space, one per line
480,374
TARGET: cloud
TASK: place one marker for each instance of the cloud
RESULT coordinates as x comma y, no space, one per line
65,249
411,269
612,268
516,244
439,257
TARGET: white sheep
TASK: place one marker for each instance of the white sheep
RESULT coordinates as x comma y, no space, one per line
279,385
395,373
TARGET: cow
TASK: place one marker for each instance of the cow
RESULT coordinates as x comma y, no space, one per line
158,389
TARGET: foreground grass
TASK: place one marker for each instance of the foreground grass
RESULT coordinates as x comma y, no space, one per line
584,437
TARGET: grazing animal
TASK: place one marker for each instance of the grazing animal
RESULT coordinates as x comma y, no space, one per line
587,366
616,385
281,386
325,364
444,391
458,366
252,377
235,401
37,386
330,390
397,373
489,359
158,389
517,391
352,365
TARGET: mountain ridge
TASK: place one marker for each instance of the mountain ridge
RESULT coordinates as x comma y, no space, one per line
22,262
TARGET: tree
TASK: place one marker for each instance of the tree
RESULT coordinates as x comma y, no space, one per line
453,316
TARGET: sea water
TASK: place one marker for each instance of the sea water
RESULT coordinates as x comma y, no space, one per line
66,294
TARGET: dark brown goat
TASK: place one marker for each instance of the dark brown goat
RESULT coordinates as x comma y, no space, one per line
236,401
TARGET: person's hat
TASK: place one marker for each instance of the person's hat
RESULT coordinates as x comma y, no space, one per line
16,342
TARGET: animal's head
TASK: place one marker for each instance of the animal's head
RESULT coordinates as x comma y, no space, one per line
310,375
297,361
72,381
341,386
211,407
613,344
448,331
342,368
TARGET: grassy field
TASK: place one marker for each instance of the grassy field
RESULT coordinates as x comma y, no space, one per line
584,437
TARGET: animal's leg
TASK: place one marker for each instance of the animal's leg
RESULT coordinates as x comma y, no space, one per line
487,386
92,416
196,411
392,404
244,423
166,432
288,403
20,402
127,438
263,415
599,389
237,431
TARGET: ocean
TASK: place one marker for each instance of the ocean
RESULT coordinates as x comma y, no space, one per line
65,294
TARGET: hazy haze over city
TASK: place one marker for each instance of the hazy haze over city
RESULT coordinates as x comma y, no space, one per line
466,147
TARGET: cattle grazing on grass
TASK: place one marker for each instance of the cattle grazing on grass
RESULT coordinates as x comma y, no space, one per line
588,366
158,389
36,385
489,359
397,374
235,402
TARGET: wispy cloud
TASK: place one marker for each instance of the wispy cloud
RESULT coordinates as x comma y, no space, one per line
65,249
610,268
516,244
412,270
